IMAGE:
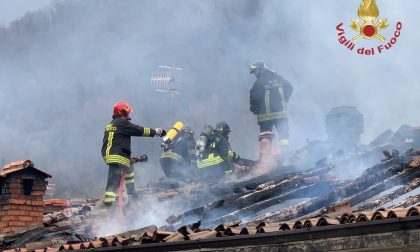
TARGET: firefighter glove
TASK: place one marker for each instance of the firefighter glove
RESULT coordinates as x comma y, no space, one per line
236,158
143,158
160,132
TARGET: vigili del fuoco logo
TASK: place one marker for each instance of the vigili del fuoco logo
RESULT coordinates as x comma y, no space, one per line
369,29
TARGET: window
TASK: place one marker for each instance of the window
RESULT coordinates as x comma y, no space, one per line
27,186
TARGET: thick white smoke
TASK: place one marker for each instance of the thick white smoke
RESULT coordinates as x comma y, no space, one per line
62,68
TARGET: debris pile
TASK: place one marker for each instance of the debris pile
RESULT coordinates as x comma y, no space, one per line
317,189
270,203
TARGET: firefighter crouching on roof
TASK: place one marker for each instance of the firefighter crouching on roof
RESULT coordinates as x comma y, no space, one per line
178,154
116,150
268,100
217,157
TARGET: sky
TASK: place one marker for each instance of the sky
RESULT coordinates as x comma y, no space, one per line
64,65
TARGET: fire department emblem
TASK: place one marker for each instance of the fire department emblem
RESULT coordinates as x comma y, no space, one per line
368,12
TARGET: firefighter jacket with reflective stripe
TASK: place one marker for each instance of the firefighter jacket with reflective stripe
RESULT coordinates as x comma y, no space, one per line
218,153
182,148
269,96
116,148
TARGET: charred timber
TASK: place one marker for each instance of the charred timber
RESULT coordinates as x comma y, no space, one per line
259,206
269,191
358,187
391,196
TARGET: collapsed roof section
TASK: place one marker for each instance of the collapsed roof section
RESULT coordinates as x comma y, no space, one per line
273,210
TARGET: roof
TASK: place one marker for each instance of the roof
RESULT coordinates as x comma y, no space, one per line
20,166
380,221
335,207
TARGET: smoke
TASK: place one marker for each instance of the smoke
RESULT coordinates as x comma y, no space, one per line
63,67
13,9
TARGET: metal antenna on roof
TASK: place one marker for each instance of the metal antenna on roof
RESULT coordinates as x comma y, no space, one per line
165,79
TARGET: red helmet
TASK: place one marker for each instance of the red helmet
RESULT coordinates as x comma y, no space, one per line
123,109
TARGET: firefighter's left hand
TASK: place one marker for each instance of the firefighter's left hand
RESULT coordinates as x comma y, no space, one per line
236,158
160,132
135,160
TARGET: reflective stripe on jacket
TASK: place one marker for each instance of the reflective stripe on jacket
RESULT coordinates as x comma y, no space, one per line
182,149
218,153
116,147
172,155
269,96
211,159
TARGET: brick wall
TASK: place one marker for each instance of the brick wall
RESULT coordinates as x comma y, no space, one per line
19,211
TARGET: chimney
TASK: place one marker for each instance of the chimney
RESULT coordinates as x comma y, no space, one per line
22,190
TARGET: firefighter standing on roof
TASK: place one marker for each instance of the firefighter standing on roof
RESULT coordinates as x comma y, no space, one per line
268,100
116,149
217,155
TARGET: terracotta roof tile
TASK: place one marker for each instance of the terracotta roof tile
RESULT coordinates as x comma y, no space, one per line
223,227
415,163
248,231
297,225
310,223
379,215
48,249
153,235
338,214
286,226
85,245
151,232
19,166
323,221
174,237
161,234
106,241
364,216
352,218
413,211
64,247
273,227
205,235
75,246
58,202
231,231
397,213
185,230
96,244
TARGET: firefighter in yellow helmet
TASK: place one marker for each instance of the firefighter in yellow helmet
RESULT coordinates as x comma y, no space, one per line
116,149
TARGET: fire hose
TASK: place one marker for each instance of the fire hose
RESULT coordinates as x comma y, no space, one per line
133,160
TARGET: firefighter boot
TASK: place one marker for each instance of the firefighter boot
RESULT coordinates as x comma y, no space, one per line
266,161
281,154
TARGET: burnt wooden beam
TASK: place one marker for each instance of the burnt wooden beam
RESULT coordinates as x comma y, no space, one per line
391,196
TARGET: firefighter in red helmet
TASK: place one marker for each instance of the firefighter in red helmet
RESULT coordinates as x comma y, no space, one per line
116,149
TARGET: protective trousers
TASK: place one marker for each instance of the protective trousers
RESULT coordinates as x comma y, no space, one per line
113,183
